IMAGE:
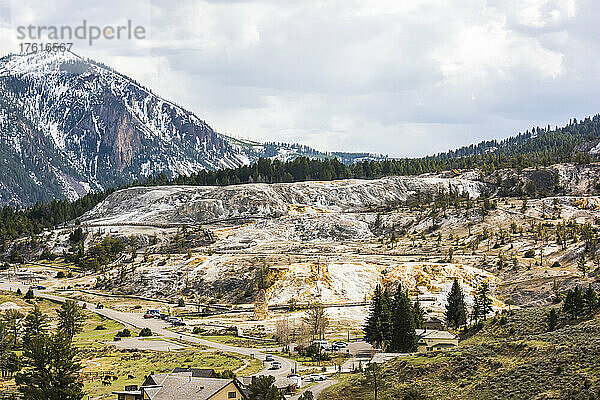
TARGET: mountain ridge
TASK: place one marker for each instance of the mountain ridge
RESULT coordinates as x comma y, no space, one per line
70,125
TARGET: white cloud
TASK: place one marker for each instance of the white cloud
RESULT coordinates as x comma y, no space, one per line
397,77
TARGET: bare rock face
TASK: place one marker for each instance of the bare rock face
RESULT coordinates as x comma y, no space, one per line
201,205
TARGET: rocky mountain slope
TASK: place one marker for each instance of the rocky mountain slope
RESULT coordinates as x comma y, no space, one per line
206,204
69,125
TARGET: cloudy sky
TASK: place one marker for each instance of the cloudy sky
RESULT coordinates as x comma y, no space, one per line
403,78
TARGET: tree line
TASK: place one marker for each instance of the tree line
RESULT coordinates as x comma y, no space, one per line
392,321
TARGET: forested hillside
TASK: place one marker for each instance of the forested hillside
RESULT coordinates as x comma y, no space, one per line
538,147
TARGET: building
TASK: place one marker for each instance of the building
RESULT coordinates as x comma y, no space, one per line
431,340
183,386
197,372
131,392
435,324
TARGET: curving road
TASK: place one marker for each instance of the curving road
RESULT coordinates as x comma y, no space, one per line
159,327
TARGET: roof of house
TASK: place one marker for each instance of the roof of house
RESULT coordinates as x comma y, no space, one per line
183,386
434,334
434,319
197,372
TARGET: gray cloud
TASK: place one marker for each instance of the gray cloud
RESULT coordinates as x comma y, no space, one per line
403,78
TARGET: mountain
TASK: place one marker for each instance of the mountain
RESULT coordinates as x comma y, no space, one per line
69,125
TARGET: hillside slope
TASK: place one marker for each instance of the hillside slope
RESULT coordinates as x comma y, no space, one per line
511,358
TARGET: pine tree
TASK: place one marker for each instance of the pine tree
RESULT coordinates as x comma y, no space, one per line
578,301
476,311
569,304
552,320
34,324
582,265
456,311
377,327
484,300
403,336
263,388
418,315
70,318
590,299
50,369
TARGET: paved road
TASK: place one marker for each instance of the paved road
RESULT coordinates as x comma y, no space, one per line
316,389
361,352
159,327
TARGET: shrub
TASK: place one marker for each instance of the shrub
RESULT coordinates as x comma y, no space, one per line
124,333
181,302
530,253
60,275
197,330
100,327
414,394
145,332
556,264
47,255
227,374
28,295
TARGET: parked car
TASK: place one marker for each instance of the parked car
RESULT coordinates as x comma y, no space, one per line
153,313
147,316
177,322
323,343
275,365
318,377
341,345
38,287
269,358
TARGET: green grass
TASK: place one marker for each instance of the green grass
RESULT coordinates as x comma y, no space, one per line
96,338
238,341
96,356
121,364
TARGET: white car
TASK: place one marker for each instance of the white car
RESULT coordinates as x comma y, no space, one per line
318,377
275,365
